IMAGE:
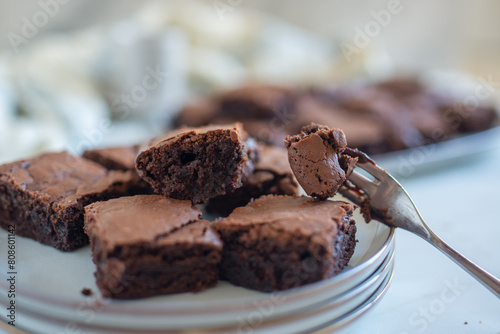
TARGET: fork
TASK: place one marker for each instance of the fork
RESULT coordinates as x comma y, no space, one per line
386,200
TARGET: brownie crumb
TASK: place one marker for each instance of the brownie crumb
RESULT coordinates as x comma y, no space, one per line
365,210
87,292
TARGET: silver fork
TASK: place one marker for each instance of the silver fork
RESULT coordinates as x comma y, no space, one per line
388,202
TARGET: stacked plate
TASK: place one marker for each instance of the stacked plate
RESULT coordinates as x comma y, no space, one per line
49,282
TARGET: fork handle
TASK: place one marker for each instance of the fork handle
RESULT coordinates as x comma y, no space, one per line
489,281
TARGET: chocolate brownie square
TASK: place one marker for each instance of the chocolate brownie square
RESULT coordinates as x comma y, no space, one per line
271,132
147,245
198,164
255,101
120,158
45,196
373,120
264,111
318,161
114,158
282,242
198,112
272,176
365,131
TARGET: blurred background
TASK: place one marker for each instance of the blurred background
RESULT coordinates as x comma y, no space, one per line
81,74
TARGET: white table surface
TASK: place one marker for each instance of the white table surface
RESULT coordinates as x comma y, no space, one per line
429,293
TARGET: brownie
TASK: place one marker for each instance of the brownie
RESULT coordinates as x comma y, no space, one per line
198,164
264,111
45,196
246,102
366,131
412,113
272,176
197,112
120,158
393,119
114,158
147,245
282,242
318,160
468,119
271,132
254,101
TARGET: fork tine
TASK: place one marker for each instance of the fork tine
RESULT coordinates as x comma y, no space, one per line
366,163
363,183
373,169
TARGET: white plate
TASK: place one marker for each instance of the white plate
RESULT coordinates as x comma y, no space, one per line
333,312
334,324
49,283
